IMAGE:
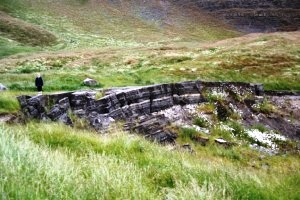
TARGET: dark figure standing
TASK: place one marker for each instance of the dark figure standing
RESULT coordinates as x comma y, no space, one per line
39,83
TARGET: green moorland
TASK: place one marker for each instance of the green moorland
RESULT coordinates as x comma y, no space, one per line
273,60
120,45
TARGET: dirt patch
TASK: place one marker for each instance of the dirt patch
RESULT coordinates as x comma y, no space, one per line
7,118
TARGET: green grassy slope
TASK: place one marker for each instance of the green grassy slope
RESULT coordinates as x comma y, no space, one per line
271,59
25,33
126,43
53,161
103,23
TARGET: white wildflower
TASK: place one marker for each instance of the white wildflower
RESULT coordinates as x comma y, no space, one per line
265,137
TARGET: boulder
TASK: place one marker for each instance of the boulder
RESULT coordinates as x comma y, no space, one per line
64,103
153,128
64,118
59,112
90,82
188,148
201,140
56,112
2,87
224,143
99,122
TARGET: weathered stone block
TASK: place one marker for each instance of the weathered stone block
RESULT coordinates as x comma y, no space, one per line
98,121
23,100
90,82
259,89
55,112
117,114
188,99
159,91
161,104
122,99
64,103
64,118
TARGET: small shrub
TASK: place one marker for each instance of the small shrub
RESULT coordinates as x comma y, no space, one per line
223,111
149,82
100,94
265,107
260,127
79,123
213,96
174,60
58,64
28,67
207,108
213,49
235,116
221,131
202,122
188,133
238,129
139,65
138,81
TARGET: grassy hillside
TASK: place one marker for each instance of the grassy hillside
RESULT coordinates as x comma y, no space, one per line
104,23
43,161
272,59
123,43
23,32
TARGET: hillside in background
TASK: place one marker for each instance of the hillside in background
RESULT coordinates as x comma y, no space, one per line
111,23
252,15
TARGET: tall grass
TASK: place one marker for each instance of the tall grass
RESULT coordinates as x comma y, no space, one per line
8,102
53,161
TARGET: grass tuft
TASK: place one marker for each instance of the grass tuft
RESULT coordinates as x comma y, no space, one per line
8,103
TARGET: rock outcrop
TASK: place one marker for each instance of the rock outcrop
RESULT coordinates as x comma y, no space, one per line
129,105
153,128
253,15
2,87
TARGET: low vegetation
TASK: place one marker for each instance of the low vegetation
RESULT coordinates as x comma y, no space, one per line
55,161
9,47
8,103
202,122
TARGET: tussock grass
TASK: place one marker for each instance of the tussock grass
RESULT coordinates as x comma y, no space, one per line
202,122
54,161
8,103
